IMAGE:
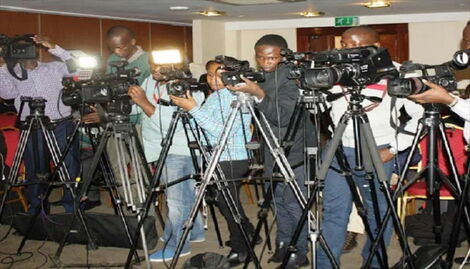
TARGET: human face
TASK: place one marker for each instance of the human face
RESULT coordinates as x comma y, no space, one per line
466,38
355,40
214,78
268,57
123,45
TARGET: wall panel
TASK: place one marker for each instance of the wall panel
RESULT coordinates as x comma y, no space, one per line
72,33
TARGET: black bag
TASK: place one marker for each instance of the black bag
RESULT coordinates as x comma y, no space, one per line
107,230
208,260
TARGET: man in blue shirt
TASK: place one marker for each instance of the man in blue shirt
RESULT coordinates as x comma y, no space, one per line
211,117
155,121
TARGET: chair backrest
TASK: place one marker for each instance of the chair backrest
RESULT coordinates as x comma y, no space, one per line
11,140
457,145
7,120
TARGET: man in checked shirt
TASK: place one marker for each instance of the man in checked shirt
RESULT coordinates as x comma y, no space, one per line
43,80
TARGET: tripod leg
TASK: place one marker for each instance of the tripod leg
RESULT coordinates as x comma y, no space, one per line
84,188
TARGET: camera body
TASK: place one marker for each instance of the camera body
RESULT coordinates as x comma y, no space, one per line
109,89
442,75
234,69
18,47
181,86
348,67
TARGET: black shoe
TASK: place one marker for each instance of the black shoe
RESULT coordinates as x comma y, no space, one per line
350,242
296,261
460,260
87,204
279,253
259,240
237,258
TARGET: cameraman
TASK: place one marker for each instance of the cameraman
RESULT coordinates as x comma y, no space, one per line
211,117
276,98
43,80
156,120
337,199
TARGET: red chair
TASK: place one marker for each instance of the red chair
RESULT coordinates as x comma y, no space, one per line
7,120
418,189
11,136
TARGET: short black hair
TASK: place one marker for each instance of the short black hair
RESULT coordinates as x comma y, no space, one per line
468,23
118,30
272,40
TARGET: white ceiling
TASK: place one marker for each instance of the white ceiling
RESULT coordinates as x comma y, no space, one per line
158,10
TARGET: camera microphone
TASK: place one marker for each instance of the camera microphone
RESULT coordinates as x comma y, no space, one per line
461,59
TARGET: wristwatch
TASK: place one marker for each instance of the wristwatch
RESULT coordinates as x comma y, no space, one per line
392,150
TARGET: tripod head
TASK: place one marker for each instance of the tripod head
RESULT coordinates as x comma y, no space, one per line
36,105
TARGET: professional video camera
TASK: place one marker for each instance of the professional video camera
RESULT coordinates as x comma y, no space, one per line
235,69
347,67
442,75
18,47
109,89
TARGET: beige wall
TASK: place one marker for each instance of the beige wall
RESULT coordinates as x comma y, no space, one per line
431,41
434,42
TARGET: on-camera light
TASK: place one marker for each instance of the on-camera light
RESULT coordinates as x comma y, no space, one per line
87,62
172,56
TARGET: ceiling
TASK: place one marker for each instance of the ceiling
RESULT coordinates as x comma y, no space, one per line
158,10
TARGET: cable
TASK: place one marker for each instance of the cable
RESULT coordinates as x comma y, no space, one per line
42,254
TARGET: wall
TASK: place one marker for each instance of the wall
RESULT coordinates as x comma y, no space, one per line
89,34
433,37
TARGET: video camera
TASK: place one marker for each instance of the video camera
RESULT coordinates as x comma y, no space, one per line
235,69
348,67
442,75
18,47
109,89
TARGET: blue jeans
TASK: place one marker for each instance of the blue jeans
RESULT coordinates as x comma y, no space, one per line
288,212
180,199
337,204
37,158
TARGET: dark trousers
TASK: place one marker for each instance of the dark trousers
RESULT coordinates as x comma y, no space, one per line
235,170
37,158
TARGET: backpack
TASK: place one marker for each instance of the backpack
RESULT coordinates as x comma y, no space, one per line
207,260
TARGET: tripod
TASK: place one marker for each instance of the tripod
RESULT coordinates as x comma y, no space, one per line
37,121
433,125
155,186
368,161
126,138
309,100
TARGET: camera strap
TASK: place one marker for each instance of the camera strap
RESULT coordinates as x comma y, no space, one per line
11,68
401,127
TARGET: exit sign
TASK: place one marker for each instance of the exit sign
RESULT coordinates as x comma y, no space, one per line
346,21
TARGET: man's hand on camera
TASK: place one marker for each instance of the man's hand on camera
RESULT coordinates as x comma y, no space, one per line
249,87
2,61
92,117
137,95
435,94
187,103
44,41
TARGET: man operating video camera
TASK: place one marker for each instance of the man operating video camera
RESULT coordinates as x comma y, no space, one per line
29,77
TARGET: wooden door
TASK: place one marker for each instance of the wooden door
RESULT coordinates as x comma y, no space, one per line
394,37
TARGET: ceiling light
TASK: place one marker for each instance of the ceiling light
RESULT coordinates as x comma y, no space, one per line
212,13
177,8
311,13
377,4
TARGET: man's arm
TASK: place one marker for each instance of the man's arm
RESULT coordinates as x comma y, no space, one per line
8,88
137,95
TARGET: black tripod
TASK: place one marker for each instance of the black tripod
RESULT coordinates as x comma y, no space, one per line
368,160
155,186
308,101
431,124
126,139
35,122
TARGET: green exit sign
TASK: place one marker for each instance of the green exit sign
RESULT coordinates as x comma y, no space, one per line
346,21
